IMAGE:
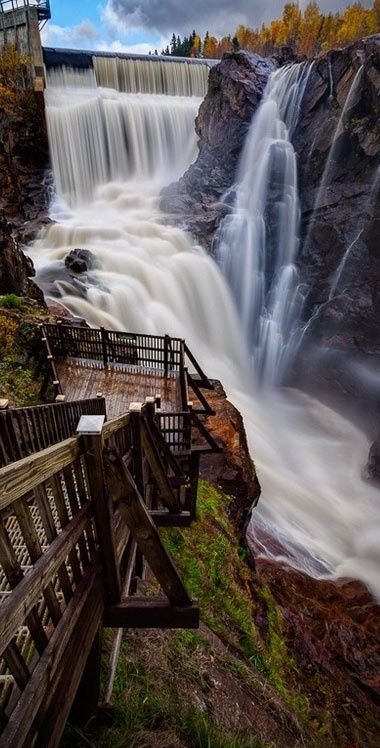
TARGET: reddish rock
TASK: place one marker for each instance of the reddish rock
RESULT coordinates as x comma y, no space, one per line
232,470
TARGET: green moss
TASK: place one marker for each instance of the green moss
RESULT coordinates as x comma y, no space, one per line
10,301
213,566
18,383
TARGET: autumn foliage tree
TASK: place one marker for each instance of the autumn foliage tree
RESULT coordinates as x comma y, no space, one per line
308,32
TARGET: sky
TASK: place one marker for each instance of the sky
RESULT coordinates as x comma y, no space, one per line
143,25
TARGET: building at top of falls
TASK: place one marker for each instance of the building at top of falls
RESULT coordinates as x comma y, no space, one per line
130,73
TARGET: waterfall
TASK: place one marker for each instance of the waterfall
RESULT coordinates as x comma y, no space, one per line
97,136
149,277
176,78
258,243
171,77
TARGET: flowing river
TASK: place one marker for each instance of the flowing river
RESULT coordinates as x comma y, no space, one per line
112,152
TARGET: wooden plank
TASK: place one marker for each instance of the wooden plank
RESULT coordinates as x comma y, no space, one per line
20,477
151,613
157,466
63,516
103,510
14,575
200,396
168,519
131,506
110,427
53,659
56,706
24,518
50,529
15,608
16,665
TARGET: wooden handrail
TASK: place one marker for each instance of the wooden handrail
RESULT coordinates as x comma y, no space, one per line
25,596
22,476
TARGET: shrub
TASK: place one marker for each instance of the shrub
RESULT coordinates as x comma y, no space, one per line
11,301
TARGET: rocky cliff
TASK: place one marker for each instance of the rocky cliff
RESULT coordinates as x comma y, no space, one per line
338,144
23,190
203,196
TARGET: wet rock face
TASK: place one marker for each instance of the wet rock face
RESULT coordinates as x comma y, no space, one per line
372,469
332,631
16,269
231,470
24,187
338,145
198,200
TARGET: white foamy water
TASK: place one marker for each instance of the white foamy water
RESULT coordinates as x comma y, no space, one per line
151,278
258,243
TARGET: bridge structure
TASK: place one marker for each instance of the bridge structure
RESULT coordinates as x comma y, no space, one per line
85,486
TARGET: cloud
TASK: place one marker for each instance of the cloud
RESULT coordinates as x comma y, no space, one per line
216,16
86,36
77,37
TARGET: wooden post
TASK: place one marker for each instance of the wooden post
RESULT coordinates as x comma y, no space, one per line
4,404
87,698
150,409
194,478
103,512
166,354
131,506
104,346
61,337
138,468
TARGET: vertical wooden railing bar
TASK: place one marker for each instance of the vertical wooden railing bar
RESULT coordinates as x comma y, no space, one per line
103,511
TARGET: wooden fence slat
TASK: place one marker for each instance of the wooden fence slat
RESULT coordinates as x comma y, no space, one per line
19,478
59,500
25,596
24,518
53,658
167,494
131,506
14,575
16,665
102,509
50,529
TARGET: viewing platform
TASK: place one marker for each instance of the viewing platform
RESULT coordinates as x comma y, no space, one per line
85,485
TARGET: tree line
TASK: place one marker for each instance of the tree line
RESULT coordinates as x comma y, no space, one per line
308,33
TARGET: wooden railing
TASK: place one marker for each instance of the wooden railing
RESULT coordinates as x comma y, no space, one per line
112,347
24,431
78,527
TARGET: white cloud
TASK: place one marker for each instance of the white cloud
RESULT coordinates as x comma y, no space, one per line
78,37
85,36
217,16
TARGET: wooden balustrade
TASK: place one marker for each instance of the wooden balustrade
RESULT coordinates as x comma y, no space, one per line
78,521
24,431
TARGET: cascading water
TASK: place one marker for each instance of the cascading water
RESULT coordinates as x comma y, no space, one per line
149,277
133,75
258,242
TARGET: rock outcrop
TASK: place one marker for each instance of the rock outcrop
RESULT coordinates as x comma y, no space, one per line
338,144
23,191
325,634
199,200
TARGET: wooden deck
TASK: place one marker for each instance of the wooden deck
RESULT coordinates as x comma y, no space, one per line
120,384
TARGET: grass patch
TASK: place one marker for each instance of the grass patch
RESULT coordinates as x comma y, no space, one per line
11,301
213,566
19,340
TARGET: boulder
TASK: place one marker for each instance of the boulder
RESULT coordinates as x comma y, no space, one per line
80,261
